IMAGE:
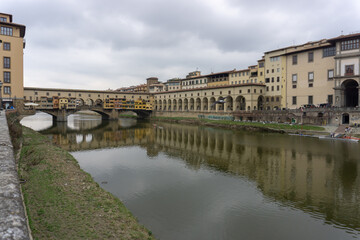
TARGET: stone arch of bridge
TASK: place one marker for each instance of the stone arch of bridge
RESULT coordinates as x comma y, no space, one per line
205,104
180,103
174,105
192,104
198,104
229,103
240,103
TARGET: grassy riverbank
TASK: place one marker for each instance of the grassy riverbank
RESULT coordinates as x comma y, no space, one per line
64,202
245,125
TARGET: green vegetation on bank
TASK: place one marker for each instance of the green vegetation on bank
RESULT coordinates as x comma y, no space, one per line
279,126
173,118
230,124
64,202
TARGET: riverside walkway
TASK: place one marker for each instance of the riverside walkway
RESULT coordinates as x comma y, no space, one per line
13,223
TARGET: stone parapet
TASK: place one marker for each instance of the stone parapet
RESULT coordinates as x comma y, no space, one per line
13,222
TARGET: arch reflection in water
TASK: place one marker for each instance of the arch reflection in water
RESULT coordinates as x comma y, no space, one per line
318,177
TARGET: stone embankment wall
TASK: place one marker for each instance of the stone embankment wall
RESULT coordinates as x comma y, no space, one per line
315,116
13,222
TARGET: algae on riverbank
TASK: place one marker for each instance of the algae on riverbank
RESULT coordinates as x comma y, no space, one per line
63,202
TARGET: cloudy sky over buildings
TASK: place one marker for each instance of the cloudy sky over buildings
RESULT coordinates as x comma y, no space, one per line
114,43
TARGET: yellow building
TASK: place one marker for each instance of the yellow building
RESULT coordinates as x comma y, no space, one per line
239,77
310,74
275,79
11,68
219,79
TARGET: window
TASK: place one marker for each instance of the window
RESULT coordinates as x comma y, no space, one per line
7,90
272,79
293,86
267,89
294,60
254,90
274,59
248,90
267,80
311,84
261,73
47,94
278,70
310,99
330,99
349,70
311,76
310,56
69,94
330,74
3,19
229,92
6,31
272,88
6,46
277,99
267,71
294,78
328,52
7,78
36,93
294,100
277,79
261,65
350,44
272,70
278,88
6,62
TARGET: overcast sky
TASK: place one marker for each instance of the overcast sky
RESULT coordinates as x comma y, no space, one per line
106,44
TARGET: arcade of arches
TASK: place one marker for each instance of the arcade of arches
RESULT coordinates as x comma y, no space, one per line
220,99
347,95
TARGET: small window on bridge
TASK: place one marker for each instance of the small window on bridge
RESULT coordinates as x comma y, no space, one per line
58,94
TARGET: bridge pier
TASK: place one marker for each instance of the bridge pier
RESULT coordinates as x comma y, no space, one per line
60,116
114,115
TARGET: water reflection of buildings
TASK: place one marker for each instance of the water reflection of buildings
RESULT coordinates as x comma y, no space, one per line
313,175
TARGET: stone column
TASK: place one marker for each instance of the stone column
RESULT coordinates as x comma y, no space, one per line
358,96
337,99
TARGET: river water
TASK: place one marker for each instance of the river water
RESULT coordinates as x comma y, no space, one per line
195,182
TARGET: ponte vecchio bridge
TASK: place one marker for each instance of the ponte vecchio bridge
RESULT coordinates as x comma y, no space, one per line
219,100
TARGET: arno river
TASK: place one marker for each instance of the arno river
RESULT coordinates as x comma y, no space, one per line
193,182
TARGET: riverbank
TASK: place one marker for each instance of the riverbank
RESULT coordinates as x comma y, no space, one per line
63,201
249,126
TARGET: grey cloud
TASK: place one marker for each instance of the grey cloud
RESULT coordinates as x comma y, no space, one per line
123,42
